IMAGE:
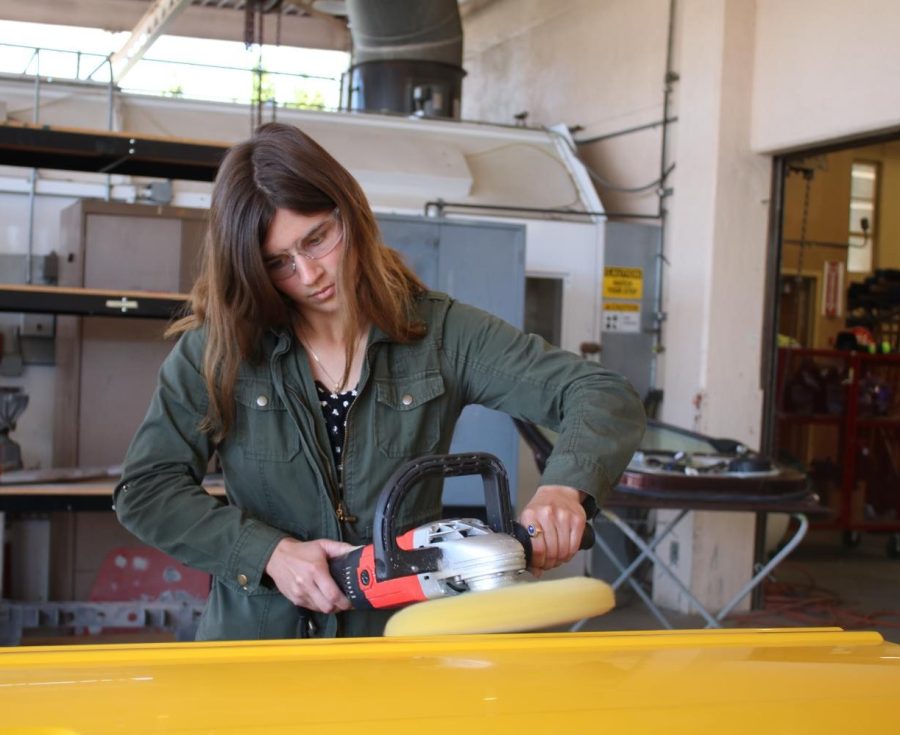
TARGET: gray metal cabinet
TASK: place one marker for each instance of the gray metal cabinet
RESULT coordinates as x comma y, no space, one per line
482,264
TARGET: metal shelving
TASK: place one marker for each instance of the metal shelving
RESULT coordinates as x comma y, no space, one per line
90,301
41,146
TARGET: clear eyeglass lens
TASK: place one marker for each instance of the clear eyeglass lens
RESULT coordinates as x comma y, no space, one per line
283,266
324,241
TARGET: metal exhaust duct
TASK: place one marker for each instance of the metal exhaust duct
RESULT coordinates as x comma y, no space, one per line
407,57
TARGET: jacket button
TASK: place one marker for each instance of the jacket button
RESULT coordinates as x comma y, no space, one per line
262,401
242,580
406,400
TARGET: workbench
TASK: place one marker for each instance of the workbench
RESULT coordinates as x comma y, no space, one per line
784,493
92,492
85,490
684,471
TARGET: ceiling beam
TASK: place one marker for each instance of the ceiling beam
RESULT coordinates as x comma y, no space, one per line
150,27
223,23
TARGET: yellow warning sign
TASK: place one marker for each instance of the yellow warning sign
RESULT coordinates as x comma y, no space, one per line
613,306
623,283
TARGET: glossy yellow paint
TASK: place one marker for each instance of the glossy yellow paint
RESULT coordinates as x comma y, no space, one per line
718,681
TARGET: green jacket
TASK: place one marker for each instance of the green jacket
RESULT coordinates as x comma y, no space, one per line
279,475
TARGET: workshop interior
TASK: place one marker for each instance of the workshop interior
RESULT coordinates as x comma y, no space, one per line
701,195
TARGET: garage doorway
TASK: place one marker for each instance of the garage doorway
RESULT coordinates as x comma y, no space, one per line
832,364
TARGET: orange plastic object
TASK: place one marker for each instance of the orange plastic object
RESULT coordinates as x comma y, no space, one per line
712,681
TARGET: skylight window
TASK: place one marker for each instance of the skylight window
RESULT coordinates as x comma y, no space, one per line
178,66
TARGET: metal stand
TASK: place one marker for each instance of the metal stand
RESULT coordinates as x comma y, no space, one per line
648,551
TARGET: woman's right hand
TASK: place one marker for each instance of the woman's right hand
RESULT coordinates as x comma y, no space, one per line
300,571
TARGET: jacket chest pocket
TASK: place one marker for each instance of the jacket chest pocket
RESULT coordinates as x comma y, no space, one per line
263,427
408,414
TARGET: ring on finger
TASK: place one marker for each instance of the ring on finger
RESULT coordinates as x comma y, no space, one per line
534,530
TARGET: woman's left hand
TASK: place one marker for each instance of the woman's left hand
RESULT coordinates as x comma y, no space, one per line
557,517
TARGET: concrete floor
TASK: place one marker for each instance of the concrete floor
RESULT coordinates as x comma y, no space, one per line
821,583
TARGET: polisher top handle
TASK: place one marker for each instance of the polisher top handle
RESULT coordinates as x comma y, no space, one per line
390,560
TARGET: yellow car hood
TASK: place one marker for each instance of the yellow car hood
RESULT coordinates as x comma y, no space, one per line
715,681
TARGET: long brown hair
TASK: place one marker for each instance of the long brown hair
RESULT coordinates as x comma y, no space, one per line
280,167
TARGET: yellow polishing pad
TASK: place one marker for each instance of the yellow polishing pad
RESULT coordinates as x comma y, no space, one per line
518,607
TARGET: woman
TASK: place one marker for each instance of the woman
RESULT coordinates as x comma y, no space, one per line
313,364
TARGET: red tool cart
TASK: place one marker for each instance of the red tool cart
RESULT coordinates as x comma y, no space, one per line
838,414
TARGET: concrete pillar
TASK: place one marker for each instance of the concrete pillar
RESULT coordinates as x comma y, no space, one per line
717,230
717,254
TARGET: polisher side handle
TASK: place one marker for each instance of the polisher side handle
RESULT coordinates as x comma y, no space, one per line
522,536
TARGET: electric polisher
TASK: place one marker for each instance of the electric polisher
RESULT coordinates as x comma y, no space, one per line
475,570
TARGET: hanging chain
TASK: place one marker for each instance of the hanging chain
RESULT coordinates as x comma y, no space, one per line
254,14
808,176
259,71
804,221
277,43
249,40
